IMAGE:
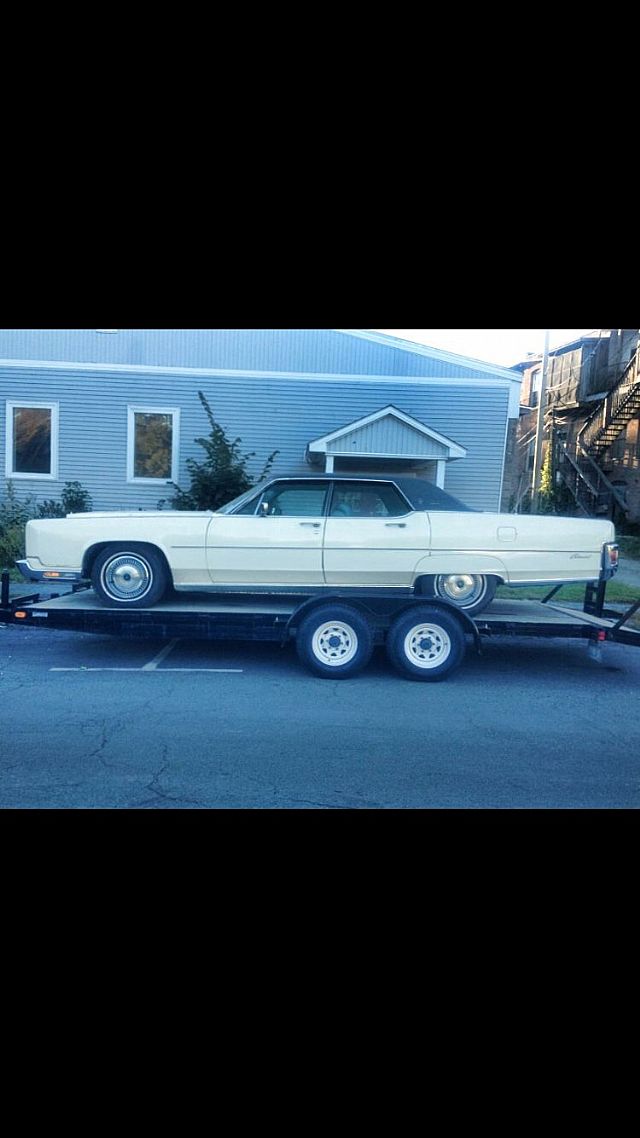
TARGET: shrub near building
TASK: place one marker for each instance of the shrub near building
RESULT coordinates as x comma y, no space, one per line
15,514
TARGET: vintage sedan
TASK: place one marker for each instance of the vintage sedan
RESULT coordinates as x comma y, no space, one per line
320,533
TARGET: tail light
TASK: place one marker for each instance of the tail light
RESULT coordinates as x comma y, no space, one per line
611,554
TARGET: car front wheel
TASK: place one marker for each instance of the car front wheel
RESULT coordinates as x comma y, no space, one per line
470,592
132,576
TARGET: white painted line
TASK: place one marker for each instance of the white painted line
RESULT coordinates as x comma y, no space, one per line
228,671
153,664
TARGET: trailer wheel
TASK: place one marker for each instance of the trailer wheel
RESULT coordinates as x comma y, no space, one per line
426,643
133,575
335,641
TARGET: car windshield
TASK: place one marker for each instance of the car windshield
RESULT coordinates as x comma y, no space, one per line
246,497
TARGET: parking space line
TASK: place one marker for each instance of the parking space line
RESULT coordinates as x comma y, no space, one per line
228,671
153,664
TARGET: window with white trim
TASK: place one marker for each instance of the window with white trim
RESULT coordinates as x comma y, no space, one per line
153,437
31,440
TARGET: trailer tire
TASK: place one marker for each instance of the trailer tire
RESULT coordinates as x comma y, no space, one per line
426,643
335,641
130,576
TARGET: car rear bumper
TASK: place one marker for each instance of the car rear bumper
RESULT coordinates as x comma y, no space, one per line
31,573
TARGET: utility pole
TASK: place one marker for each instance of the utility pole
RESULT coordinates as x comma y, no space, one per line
537,462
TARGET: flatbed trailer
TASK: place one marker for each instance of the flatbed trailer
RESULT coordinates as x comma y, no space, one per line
335,634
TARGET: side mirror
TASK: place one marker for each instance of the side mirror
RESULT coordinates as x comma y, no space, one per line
263,510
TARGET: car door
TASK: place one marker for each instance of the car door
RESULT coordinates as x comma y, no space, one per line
372,536
275,540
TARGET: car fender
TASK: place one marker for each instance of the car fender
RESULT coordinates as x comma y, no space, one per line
466,561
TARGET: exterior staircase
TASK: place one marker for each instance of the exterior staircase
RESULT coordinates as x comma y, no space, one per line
583,473
592,491
620,405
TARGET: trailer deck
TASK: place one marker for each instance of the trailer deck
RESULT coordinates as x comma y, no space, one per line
82,609
276,618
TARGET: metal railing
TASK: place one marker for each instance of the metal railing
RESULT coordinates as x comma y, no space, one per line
610,406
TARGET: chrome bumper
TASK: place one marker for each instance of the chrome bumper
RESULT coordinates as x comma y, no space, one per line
609,563
32,574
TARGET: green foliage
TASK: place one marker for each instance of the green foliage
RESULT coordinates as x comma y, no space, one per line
15,513
554,498
75,499
50,509
223,474
546,501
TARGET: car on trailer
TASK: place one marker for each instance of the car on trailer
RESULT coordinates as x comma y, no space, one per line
318,534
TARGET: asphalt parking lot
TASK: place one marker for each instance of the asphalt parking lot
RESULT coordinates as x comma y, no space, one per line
97,722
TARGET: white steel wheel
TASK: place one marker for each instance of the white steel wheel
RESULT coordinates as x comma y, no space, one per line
335,641
133,576
426,643
468,591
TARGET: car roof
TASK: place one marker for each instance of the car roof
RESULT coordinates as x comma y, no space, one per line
421,494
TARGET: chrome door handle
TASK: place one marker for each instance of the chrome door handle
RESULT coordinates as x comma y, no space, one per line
396,525
315,525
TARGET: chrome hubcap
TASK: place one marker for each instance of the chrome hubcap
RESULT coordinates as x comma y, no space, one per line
127,577
335,643
461,588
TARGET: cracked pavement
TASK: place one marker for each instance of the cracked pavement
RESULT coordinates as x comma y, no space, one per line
529,725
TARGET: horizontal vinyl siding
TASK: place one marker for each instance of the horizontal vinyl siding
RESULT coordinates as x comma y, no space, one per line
266,413
296,350
387,436
242,349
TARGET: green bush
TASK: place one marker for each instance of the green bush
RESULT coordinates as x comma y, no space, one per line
222,476
50,509
75,499
14,515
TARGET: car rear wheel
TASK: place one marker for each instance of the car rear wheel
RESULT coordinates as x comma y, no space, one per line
335,641
470,592
132,576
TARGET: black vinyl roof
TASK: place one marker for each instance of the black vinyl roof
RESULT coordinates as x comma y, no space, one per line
420,493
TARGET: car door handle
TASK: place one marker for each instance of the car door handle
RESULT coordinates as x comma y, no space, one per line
396,525
315,525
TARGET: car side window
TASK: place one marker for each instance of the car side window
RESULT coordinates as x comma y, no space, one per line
249,507
291,500
367,500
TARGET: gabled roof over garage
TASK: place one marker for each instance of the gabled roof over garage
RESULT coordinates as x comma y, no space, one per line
388,433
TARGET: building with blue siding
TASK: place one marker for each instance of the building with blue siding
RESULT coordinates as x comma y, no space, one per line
118,410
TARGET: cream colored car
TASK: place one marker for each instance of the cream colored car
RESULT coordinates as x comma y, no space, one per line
320,534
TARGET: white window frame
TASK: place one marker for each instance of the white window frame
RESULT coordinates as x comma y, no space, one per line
138,409
30,405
